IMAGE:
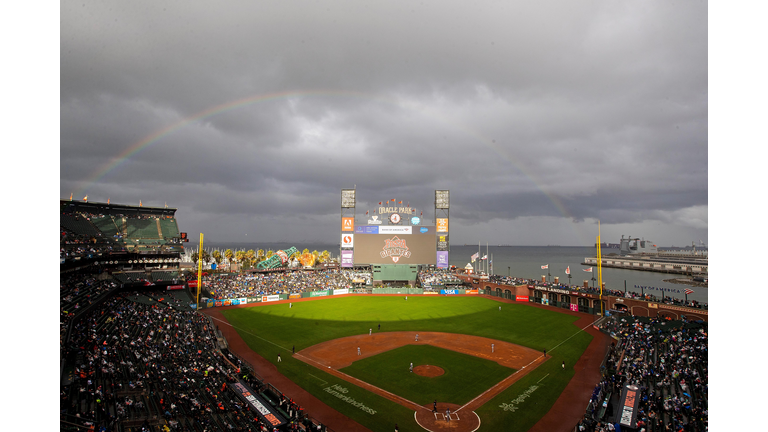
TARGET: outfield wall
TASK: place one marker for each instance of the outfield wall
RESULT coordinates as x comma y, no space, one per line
559,297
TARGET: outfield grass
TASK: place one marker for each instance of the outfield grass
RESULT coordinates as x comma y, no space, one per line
274,329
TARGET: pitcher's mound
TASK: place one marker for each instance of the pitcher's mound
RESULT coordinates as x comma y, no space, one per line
428,370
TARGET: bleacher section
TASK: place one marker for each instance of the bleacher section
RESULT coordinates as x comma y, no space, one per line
667,361
95,230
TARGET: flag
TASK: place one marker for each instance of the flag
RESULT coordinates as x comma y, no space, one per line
545,266
399,202
70,197
484,257
379,202
139,203
568,270
366,212
107,200
475,256
589,270
688,291
86,198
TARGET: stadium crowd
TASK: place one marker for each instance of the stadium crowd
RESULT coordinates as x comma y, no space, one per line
224,286
507,280
437,277
145,362
667,361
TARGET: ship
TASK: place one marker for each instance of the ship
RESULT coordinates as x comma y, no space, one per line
637,246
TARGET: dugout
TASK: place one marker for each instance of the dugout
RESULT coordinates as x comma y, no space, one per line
395,274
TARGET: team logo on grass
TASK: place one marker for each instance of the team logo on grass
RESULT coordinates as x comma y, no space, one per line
395,248
512,406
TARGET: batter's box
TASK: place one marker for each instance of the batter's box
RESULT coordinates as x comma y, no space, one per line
455,416
441,416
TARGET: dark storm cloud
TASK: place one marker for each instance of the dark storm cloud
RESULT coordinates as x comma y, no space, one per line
562,111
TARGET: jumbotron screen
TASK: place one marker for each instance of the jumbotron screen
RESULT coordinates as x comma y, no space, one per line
412,244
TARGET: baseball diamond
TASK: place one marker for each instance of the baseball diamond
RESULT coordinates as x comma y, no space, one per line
552,407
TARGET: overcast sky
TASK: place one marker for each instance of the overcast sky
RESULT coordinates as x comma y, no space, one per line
250,117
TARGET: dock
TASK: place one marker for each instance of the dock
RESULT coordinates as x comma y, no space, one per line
684,266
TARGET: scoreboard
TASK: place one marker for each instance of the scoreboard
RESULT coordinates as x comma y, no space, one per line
397,244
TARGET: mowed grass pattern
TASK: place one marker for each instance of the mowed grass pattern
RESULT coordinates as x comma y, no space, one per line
273,329
465,376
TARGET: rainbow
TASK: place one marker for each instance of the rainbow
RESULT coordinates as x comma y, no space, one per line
158,135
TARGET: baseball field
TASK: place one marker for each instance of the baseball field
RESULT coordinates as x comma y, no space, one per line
484,363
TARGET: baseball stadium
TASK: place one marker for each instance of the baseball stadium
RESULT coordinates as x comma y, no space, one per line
389,337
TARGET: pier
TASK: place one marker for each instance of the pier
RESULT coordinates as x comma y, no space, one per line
685,266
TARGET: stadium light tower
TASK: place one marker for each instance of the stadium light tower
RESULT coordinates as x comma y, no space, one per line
442,206
348,202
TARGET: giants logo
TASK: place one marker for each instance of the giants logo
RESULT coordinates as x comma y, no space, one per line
395,248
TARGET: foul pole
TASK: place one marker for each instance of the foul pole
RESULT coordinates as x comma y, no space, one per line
199,270
600,270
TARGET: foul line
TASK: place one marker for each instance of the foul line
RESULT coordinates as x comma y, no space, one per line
247,332
531,362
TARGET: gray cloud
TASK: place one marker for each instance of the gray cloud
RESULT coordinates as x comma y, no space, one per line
258,113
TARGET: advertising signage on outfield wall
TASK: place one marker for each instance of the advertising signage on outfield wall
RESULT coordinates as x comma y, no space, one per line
442,259
395,245
347,258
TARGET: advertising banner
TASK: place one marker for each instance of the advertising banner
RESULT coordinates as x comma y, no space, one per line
174,287
574,307
442,225
347,240
364,229
318,293
442,259
294,296
254,299
374,220
243,300
348,224
442,242
227,302
263,410
472,291
521,298
234,302
341,291
395,229
209,303
269,298
347,258
448,291
628,406
219,303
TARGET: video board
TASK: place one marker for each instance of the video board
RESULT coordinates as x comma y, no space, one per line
396,244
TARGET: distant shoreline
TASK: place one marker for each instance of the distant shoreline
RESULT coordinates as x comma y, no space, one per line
688,282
